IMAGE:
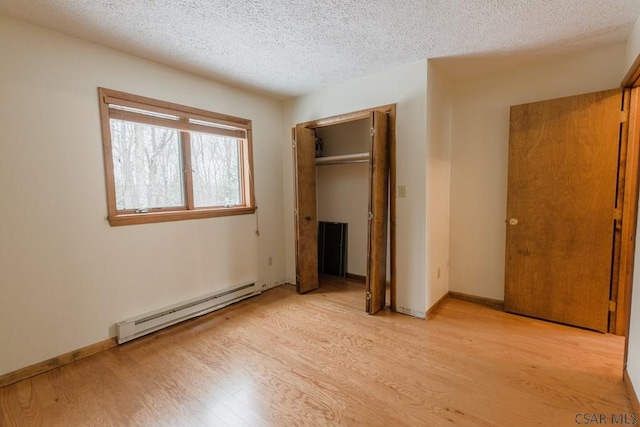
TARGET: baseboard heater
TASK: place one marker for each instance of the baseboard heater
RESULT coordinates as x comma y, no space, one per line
150,322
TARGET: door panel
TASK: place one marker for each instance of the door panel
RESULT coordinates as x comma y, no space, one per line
563,157
306,220
378,206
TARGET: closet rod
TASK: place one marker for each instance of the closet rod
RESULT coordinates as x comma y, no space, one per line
342,159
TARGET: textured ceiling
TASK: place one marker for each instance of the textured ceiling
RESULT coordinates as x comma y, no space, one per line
291,47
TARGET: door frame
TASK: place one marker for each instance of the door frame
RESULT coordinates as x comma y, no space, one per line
390,111
625,187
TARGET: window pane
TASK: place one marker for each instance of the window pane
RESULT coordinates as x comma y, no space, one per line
215,161
146,165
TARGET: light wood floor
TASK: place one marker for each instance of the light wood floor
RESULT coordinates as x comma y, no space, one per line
282,359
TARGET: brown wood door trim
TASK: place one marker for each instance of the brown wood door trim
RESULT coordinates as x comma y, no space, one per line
295,204
348,117
617,284
629,220
392,207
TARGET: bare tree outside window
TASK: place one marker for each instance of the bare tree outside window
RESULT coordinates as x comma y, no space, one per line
147,166
216,170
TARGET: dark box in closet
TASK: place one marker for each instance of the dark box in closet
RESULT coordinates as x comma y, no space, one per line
332,248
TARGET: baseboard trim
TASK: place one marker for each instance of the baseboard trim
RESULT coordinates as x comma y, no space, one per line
632,393
56,362
436,306
356,277
490,302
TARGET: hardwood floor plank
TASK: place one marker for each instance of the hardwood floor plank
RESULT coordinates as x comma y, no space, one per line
283,359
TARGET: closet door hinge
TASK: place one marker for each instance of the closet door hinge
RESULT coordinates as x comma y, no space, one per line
295,212
612,306
373,131
368,295
293,143
370,216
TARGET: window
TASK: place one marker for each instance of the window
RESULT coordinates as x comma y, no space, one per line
168,162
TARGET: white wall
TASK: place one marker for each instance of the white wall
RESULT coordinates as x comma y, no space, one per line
633,356
406,86
479,155
439,122
345,138
66,276
343,196
633,47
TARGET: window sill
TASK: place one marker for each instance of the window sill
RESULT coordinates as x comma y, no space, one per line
151,217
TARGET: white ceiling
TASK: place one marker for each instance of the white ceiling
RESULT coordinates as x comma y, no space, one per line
291,47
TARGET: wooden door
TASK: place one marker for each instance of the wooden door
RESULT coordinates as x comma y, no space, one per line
378,209
306,213
563,158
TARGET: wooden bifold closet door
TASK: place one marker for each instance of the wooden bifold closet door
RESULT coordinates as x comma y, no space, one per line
306,215
378,209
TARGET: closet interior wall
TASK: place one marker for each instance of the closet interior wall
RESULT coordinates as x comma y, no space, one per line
343,189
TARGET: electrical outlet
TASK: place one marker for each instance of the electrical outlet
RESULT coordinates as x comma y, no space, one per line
270,260
402,191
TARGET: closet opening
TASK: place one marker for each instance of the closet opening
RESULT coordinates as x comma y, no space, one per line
345,210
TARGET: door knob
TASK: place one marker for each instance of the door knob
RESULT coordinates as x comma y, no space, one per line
308,218
513,221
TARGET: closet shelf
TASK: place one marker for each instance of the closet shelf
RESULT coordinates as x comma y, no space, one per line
345,158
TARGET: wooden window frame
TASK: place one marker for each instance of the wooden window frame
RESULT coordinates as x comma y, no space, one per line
229,126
